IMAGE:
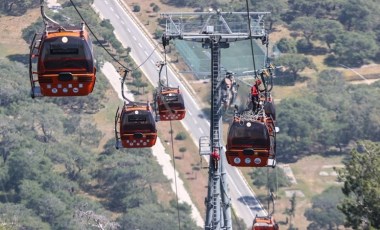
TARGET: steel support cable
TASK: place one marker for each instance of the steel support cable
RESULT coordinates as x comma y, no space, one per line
175,175
96,38
250,38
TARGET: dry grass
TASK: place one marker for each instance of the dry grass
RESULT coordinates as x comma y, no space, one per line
306,172
188,164
12,28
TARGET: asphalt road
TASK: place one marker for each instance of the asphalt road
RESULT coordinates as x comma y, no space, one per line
145,51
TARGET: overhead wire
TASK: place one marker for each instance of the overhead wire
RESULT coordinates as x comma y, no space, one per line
172,146
250,36
112,56
175,175
96,38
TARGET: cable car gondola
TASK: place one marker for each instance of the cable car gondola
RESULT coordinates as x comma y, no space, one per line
251,142
169,103
65,63
135,127
264,223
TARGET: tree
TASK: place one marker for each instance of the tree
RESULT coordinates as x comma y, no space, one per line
301,124
275,178
361,187
332,94
136,8
156,8
291,212
181,136
286,45
17,216
276,7
294,63
354,49
329,31
308,26
324,213
303,7
356,15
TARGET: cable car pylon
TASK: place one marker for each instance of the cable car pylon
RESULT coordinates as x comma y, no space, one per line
214,32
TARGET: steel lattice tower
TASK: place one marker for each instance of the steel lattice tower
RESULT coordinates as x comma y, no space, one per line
215,30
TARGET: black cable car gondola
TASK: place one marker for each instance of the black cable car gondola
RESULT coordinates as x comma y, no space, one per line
169,103
251,142
135,126
65,63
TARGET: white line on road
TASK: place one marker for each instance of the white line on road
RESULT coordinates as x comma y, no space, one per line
200,129
152,61
111,9
128,30
117,16
241,195
122,22
106,2
134,38
189,113
146,52
139,45
195,121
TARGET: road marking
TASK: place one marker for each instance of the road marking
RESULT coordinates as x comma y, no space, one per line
152,61
201,130
146,53
241,195
117,16
195,121
134,38
189,113
139,45
106,2
122,22
128,30
111,9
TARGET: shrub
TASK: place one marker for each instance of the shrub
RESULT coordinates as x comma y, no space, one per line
181,136
287,45
136,8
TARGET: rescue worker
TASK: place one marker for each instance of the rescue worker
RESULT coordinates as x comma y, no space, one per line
255,94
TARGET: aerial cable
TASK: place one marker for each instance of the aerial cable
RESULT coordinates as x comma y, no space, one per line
45,18
166,69
96,38
154,49
250,36
175,175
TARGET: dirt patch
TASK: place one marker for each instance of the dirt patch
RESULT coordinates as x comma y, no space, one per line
188,163
309,183
12,28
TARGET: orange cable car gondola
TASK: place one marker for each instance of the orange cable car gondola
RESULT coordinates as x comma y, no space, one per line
65,62
251,140
264,223
135,126
169,103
